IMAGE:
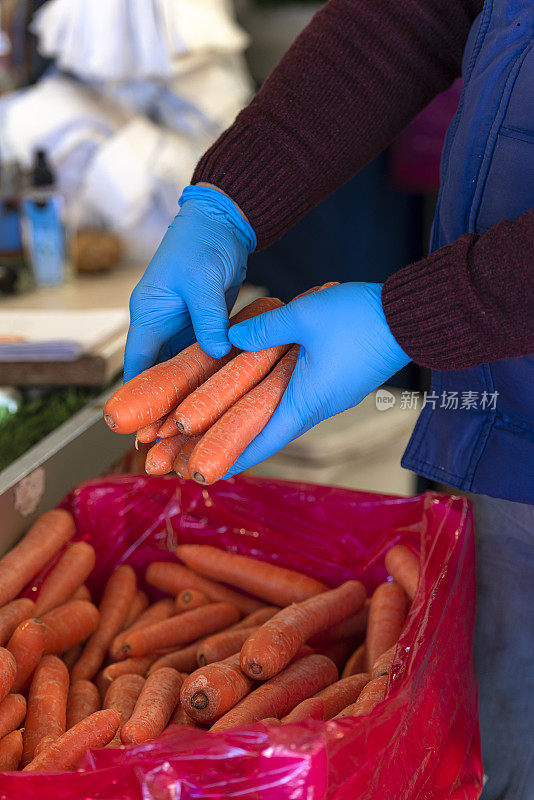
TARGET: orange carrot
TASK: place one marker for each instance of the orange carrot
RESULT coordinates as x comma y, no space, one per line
271,721
173,578
371,694
184,660
203,407
47,705
160,458
383,663
181,718
339,652
71,656
154,707
267,651
222,644
45,742
12,713
334,698
272,583
64,754
281,694
12,615
258,617
116,601
403,566
189,599
27,647
163,609
158,390
312,708
233,432
387,613
139,605
82,701
181,462
350,628
10,751
68,625
180,630
149,433
130,666
211,691
67,576
43,541
81,593
122,695
356,663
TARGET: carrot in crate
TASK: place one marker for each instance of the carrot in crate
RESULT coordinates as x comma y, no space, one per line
339,652
383,663
181,718
180,630
272,583
83,700
68,625
173,578
64,754
43,541
221,445
312,708
269,649
139,605
334,698
213,690
184,660
350,628
257,618
68,575
154,707
27,648
10,751
81,593
130,666
387,613
371,695
8,671
356,663
156,391
47,705
223,644
403,566
116,601
161,610
12,614
161,456
189,599
278,696
12,713
181,462
122,695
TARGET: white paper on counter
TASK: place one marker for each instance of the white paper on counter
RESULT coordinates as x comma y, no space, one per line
58,335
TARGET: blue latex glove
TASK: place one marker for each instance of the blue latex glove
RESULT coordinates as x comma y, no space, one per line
191,283
347,350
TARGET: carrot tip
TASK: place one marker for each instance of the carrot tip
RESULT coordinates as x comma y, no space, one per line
110,422
202,660
179,426
179,474
199,477
256,669
186,597
199,700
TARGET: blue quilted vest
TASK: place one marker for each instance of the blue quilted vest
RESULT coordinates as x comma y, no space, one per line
487,175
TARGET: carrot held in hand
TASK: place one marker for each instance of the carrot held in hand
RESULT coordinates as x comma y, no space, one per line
12,713
267,651
221,645
189,599
69,574
403,566
83,700
371,695
356,663
180,630
213,690
161,456
181,462
27,647
387,612
94,731
43,541
118,596
272,583
154,707
172,578
10,751
277,697
221,445
156,391
163,609
203,407
68,625
47,705
150,432
12,615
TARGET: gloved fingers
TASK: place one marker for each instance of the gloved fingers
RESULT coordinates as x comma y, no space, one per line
176,344
209,315
266,330
142,348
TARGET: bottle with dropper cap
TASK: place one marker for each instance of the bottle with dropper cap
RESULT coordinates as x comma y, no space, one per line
42,224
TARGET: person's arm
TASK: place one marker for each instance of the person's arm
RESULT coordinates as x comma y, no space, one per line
353,79
467,303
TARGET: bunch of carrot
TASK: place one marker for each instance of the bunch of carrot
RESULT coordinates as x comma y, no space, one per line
204,411
277,647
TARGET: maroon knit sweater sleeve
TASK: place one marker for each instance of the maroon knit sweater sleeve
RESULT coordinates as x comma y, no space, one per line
357,74
469,302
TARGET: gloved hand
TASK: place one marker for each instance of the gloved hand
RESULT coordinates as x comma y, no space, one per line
347,350
191,283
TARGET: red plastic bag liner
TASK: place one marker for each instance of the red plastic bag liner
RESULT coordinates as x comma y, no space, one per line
422,741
